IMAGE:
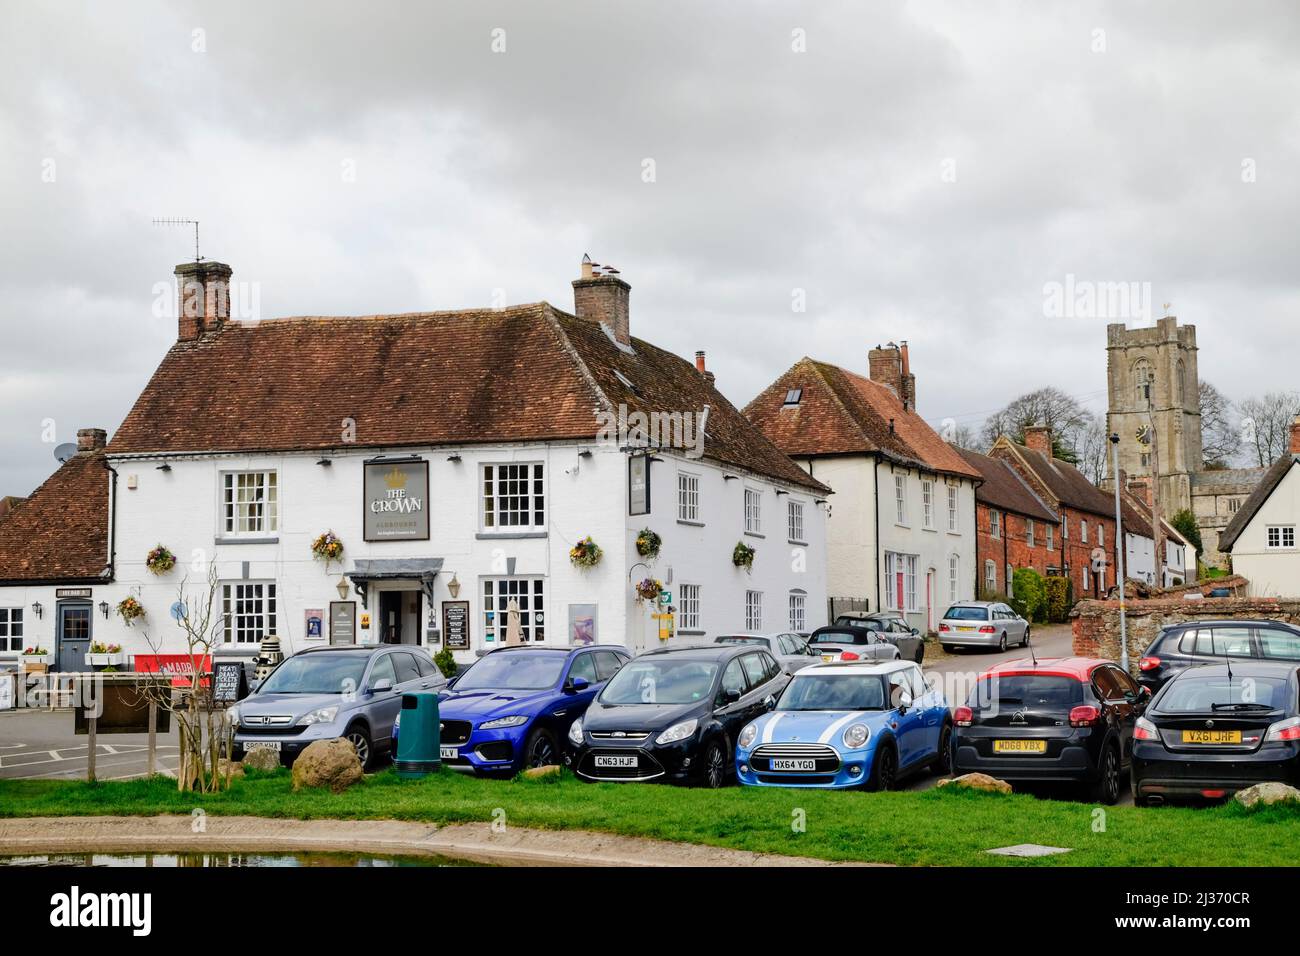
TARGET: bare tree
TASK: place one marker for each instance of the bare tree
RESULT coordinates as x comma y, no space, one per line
1266,425
1047,406
1093,449
201,723
1220,436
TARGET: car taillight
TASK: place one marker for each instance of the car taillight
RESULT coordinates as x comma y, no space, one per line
848,656
1144,730
1214,794
1283,730
1084,716
962,716
987,629
943,627
1149,663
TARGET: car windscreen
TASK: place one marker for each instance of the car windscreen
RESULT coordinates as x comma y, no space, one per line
317,674
661,680
870,623
513,670
1206,694
1037,692
838,637
967,614
834,692
742,639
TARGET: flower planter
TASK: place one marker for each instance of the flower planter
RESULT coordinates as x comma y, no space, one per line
105,660
38,660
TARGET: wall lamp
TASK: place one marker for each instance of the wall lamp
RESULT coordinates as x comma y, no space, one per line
325,462
453,586
781,491
454,457
164,467
584,453
103,609
343,588
37,609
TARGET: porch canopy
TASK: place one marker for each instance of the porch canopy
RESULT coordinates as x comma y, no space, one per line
423,570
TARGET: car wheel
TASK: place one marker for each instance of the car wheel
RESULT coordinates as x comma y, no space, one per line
540,750
713,772
948,648
942,765
360,740
1002,641
1025,642
1106,789
884,771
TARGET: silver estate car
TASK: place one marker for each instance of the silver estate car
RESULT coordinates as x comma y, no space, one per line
790,650
324,693
982,624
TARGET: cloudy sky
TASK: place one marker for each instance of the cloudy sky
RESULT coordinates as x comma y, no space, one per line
914,171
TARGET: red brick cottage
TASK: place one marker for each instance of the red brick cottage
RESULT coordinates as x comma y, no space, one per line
1014,528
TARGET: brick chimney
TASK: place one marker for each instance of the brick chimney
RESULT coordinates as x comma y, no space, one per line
1295,436
885,365
908,380
91,440
1139,486
700,367
204,297
599,295
1039,438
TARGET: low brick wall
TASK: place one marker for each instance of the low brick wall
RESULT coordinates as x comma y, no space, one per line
1096,623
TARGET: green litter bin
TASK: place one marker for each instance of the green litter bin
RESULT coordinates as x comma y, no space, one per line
418,739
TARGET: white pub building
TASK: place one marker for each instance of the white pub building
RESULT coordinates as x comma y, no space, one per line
458,458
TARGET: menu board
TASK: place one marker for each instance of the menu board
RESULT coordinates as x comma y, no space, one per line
343,622
455,624
230,683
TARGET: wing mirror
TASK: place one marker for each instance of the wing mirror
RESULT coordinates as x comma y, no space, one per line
769,702
576,685
730,696
904,702
381,685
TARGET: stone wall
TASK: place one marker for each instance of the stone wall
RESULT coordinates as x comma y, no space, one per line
1096,623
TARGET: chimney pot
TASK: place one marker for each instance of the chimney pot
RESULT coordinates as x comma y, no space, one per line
1295,436
1039,438
602,297
91,440
699,362
203,302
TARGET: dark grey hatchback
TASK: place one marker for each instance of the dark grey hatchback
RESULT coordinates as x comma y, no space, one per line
1190,643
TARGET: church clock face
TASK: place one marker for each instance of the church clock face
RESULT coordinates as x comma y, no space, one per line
1143,435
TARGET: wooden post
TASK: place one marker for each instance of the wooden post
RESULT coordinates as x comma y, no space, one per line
153,736
90,756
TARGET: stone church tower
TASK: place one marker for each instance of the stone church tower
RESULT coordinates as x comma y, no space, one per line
1155,406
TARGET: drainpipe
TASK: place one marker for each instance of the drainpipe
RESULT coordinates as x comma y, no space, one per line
112,520
879,563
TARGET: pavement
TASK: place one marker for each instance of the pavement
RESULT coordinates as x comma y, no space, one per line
41,743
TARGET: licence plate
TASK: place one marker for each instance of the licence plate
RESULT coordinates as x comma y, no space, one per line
608,761
961,628
1020,746
827,658
793,764
1211,736
449,753
262,745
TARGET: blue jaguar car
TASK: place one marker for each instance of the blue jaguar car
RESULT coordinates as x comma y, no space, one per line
512,708
863,724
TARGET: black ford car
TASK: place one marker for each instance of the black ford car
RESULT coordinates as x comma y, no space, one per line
1217,729
674,714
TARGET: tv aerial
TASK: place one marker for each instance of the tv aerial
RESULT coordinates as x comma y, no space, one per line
184,222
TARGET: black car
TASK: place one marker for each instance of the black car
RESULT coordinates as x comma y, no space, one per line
674,714
892,627
1184,645
1069,720
1216,729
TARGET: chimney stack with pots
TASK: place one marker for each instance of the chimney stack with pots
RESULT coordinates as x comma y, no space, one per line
91,440
599,295
885,365
700,366
1039,438
204,297
1295,436
907,381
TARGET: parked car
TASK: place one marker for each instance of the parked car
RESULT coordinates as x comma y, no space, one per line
324,693
790,650
846,642
860,724
893,626
512,708
982,624
674,714
1216,729
1063,720
1184,645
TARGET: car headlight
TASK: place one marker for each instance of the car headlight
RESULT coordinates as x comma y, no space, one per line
322,715
856,736
232,714
575,732
677,732
516,720
747,736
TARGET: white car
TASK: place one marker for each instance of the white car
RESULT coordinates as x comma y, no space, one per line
982,624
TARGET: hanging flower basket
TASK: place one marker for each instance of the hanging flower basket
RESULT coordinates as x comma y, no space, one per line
648,589
742,556
327,547
648,543
585,554
130,609
160,560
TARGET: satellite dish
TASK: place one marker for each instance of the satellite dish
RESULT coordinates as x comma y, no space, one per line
179,612
64,452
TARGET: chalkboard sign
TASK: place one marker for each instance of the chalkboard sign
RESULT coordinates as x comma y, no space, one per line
230,682
455,624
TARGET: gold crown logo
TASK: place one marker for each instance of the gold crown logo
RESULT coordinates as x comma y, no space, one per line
395,478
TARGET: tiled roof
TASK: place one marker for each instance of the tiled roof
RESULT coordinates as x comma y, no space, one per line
841,412
524,373
1227,477
1272,478
1004,489
61,531
1064,481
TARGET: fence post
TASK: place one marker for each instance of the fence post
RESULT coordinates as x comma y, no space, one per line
90,756
153,736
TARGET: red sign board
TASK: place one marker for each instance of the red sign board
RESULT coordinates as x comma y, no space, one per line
179,667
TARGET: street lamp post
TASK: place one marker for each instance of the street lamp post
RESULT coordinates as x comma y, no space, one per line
1119,553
